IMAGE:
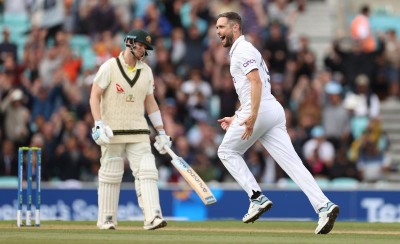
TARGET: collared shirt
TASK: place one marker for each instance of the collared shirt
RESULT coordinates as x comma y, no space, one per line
103,76
130,71
245,58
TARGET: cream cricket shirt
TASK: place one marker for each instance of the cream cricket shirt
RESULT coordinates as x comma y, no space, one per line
244,58
122,103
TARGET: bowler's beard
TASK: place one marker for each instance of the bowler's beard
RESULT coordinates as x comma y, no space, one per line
228,41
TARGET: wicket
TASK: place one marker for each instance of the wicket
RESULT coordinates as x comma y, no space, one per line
29,179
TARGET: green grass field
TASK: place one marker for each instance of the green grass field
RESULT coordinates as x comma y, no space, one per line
200,232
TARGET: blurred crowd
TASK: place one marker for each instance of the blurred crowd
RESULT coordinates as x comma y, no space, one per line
332,112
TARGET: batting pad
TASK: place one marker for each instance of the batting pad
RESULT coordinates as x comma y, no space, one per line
139,193
110,177
148,177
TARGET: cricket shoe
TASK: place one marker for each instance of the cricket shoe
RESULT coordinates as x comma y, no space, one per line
108,225
257,207
157,223
327,217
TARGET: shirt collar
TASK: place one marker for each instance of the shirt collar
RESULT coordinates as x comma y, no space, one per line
241,38
139,63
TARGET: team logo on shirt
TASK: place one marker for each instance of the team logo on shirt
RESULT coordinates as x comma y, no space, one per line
119,88
130,98
248,62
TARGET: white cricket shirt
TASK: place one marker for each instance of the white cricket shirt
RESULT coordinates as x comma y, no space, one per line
244,58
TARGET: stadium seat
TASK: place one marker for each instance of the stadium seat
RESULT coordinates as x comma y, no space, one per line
323,183
8,181
287,183
344,182
88,59
79,43
17,23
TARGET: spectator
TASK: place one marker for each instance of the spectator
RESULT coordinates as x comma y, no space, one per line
178,46
16,118
343,167
155,21
194,43
8,159
276,49
204,167
7,47
363,105
82,18
218,6
195,86
319,153
172,11
335,117
254,18
307,103
102,18
227,95
392,54
357,61
77,163
282,12
50,142
372,162
50,16
49,64
45,100
361,30
17,7
255,162
305,59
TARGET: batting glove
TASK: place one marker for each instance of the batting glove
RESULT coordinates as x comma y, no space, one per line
162,140
101,133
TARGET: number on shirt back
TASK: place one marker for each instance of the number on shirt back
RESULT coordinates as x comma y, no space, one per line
264,66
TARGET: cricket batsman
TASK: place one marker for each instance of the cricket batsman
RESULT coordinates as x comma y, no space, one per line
121,94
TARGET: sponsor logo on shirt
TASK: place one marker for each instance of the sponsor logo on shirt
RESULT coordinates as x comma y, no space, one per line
119,88
248,62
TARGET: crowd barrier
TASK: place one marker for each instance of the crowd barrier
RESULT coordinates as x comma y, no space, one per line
372,205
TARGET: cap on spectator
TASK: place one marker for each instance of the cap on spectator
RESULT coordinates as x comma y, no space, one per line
16,95
362,80
317,131
333,88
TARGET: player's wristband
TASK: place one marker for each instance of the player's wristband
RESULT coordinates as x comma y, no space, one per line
156,119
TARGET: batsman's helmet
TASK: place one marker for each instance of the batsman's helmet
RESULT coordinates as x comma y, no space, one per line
139,36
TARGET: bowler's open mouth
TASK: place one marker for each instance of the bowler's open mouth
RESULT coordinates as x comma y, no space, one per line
222,38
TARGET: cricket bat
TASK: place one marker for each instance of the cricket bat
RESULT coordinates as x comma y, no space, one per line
192,178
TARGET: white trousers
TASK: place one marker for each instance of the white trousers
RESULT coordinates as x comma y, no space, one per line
270,130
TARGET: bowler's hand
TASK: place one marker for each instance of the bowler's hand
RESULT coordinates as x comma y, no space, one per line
226,122
249,123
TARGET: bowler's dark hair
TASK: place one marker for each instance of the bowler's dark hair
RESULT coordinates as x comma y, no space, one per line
232,17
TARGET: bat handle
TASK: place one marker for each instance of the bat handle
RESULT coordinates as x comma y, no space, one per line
170,152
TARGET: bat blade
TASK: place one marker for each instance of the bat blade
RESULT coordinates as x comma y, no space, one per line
192,178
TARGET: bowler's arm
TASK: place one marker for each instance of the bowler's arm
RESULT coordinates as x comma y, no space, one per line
256,87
